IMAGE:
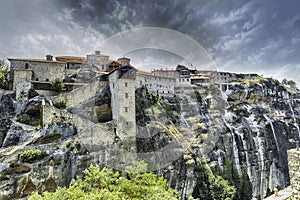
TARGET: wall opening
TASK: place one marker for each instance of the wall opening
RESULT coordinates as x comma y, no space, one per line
26,66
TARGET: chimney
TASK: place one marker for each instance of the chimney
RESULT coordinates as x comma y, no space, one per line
49,57
97,52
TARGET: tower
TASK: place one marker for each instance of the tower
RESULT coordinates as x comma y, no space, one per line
122,88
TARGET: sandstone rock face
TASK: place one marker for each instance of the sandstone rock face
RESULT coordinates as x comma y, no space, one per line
251,124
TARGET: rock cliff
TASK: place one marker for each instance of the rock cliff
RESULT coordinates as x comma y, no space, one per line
252,123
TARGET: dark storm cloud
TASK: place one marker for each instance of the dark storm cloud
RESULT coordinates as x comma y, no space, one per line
241,36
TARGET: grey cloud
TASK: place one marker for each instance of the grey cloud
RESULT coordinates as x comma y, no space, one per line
240,35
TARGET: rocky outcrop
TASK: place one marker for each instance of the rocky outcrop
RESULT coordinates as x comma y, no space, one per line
251,124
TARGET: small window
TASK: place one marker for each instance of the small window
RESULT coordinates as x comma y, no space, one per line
47,80
113,85
187,80
127,123
126,109
141,82
126,95
37,79
126,84
26,66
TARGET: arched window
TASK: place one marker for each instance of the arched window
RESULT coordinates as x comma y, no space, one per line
26,66
47,79
37,79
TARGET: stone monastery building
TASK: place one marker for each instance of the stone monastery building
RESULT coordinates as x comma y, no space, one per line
120,76
40,72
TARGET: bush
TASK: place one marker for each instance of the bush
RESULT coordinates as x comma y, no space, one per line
32,93
31,155
3,75
108,184
60,104
26,119
57,85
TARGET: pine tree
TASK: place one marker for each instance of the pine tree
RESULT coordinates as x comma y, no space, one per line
236,182
203,186
211,187
246,185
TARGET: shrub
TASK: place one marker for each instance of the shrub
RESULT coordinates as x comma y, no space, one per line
32,93
57,85
108,184
60,104
30,155
26,119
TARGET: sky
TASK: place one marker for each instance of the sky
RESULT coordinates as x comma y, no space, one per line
257,36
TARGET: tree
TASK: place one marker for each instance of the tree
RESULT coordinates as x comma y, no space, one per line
57,85
236,182
292,84
181,67
246,185
4,69
108,184
230,173
211,187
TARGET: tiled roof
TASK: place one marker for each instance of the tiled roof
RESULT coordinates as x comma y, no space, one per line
35,60
74,59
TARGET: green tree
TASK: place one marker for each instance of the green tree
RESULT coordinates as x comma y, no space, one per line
108,184
181,67
246,185
57,85
230,173
210,187
292,84
236,179
4,69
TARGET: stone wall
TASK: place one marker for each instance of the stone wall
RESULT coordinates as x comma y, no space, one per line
42,70
294,171
21,75
80,94
94,133
22,90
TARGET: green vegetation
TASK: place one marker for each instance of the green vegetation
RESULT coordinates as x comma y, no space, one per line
32,93
60,104
31,155
246,185
210,186
241,182
108,184
292,84
181,67
145,99
27,119
198,96
243,76
57,85
3,75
